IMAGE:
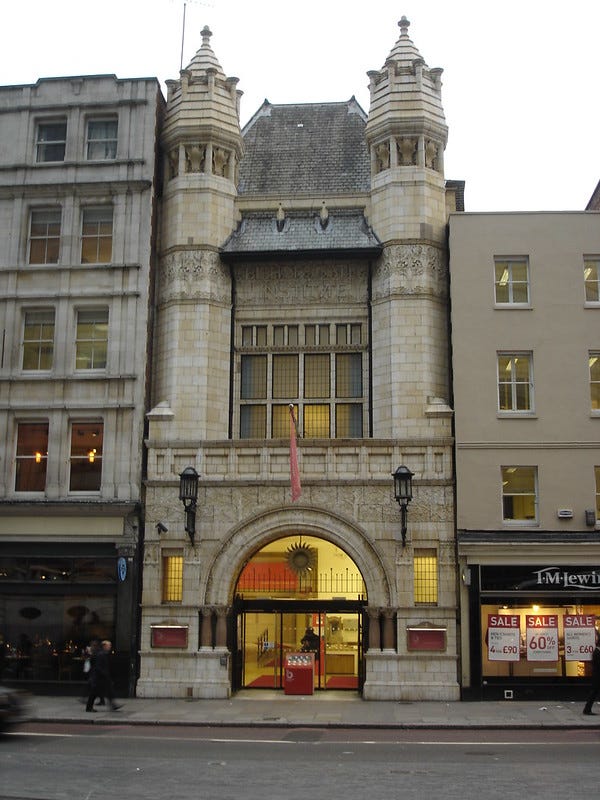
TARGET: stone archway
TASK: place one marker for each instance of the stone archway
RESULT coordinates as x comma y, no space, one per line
252,534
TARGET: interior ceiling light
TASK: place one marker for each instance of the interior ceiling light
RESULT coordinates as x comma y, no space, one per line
301,558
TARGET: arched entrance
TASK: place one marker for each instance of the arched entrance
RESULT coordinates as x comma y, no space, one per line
298,593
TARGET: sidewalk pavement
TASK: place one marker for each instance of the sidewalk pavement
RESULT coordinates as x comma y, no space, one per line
330,709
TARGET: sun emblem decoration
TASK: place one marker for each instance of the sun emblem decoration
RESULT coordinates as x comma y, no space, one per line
301,558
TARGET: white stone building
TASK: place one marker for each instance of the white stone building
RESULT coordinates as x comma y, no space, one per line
77,198
302,262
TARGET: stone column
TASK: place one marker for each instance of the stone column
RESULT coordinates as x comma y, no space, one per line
421,151
205,627
374,629
388,628
221,638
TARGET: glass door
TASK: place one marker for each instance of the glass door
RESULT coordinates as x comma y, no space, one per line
261,650
265,638
341,657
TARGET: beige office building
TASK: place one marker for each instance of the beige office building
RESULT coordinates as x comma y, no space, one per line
526,374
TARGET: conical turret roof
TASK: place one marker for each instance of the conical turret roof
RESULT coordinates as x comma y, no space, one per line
205,58
406,93
404,50
204,102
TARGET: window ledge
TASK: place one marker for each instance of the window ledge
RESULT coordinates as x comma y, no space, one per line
520,523
516,415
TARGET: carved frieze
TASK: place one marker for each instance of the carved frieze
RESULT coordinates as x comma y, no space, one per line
194,274
300,284
410,269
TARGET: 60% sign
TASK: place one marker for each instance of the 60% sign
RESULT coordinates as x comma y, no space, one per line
542,637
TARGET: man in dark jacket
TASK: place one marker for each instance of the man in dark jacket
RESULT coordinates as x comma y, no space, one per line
595,689
100,680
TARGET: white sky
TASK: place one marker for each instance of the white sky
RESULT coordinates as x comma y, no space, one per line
520,81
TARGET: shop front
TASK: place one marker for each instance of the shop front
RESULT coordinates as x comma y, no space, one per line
54,600
532,630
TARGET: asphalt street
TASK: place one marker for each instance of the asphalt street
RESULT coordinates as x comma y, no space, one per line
52,761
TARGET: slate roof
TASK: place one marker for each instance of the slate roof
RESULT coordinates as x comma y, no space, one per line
302,233
308,149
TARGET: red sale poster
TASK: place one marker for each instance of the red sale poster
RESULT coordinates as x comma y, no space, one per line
503,637
580,636
542,637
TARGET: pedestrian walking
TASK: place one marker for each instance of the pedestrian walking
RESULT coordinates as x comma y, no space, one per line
101,684
595,688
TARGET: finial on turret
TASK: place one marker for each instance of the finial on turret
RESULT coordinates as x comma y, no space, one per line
206,33
404,25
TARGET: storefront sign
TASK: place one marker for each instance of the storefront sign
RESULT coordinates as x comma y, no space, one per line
503,637
568,578
542,637
540,578
580,636
122,568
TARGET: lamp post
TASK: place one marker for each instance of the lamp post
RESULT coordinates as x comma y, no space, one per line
403,494
188,494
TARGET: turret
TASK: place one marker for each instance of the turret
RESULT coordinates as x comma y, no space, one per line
203,145
406,135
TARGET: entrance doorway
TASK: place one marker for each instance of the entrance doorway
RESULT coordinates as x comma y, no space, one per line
266,637
299,594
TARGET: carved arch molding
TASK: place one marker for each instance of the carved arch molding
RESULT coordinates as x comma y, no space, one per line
248,537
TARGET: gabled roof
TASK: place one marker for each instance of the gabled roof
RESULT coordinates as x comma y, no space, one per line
313,149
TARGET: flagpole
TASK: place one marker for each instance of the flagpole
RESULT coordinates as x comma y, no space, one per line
295,487
182,38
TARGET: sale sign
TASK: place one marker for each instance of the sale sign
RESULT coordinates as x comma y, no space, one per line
503,637
542,637
580,636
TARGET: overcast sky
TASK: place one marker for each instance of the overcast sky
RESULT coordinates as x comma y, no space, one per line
520,81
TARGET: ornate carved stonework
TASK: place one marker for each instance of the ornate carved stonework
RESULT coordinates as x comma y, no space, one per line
410,269
431,154
173,162
194,274
407,151
382,156
220,161
194,158
300,284
151,552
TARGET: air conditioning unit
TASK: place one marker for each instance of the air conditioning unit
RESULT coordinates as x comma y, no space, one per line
565,513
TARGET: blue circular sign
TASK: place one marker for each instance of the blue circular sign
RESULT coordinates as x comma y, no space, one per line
122,568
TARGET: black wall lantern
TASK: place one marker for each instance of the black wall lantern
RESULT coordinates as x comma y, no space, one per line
403,494
188,494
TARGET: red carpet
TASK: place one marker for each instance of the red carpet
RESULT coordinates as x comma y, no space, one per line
265,682
342,682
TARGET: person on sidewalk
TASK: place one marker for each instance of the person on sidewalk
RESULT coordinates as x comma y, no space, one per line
595,688
100,680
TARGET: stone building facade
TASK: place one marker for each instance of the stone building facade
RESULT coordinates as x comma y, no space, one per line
302,263
77,202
